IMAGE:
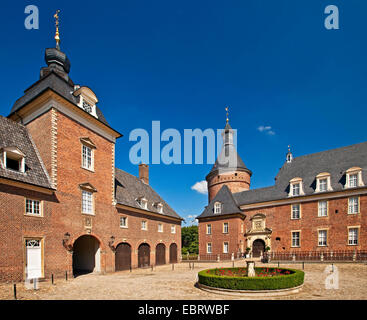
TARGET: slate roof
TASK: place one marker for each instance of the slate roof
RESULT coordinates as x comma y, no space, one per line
229,205
13,134
335,162
307,167
59,85
128,188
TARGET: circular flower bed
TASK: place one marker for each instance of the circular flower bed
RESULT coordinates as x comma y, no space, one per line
265,279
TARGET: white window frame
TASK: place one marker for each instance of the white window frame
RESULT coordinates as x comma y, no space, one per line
160,227
209,229
356,173
85,157
296,184
31,205
353,208
217,208
354,240
225,247
173,229
143,203
322,237
144,225
293,245
209,248
293,211
323,211
160,208
125,225
225,227
87,202
16,155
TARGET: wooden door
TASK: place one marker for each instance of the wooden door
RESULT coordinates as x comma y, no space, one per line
258,247
173,253
123,257
160,254
144,256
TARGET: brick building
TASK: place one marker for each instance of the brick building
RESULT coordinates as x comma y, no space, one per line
64,207
317,204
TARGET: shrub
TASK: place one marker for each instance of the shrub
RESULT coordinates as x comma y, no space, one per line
235,281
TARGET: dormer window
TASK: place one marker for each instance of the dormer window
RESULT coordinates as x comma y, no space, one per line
296,187
142,202
323,182
13,159
87,100
354,178
160,207
217,207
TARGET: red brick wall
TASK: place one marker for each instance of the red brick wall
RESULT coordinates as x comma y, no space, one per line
278,218
217,237
62,211
236,182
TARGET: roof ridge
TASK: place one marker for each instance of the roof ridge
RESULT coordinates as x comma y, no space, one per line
330,150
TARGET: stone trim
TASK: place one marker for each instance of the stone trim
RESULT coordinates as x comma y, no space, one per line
54,147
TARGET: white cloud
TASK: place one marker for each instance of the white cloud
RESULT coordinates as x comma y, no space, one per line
266,129
201,187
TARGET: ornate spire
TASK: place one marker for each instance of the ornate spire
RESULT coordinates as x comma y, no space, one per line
227,110
57,34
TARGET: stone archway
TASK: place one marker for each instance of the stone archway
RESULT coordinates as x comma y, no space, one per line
86,255
258,248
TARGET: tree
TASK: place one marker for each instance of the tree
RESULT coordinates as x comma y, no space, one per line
190,239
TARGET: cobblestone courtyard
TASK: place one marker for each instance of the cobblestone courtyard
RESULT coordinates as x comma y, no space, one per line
165,283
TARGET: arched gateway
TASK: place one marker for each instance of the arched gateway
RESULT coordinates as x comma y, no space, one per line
258,248
123,257
86,255
160,254
144,255
173,253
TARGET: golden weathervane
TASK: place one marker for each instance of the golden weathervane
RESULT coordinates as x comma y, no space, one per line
227,110
57,35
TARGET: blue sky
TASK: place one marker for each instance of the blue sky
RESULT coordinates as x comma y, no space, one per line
182,62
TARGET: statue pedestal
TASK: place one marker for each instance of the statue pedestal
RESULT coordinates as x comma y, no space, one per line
251,269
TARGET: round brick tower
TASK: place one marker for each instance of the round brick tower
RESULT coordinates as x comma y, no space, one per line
229,169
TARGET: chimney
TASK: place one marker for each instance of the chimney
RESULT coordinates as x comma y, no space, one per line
144,173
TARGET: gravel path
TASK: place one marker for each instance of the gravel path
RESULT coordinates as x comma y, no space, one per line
164,283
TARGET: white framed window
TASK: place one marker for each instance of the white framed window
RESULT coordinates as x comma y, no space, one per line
296,211
296,239
354,177
353,180
173,229
208,229
143,203
323,184
225,227
322,238
144,225
160,207
353,205
13,159
123,222
353,236
87,202
217,207
160,227
33,207
225,247
209,247
296,189
323,208
87,157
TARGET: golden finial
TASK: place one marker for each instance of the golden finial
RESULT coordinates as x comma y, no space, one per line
57,35
289,148
227,110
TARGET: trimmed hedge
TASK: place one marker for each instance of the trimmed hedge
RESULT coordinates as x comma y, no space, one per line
294,279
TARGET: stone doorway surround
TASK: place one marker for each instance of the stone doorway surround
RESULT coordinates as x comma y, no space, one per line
258,231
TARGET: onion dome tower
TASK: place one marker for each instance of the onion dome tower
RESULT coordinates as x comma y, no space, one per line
229,169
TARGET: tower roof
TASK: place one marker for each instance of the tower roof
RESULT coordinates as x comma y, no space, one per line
228,159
